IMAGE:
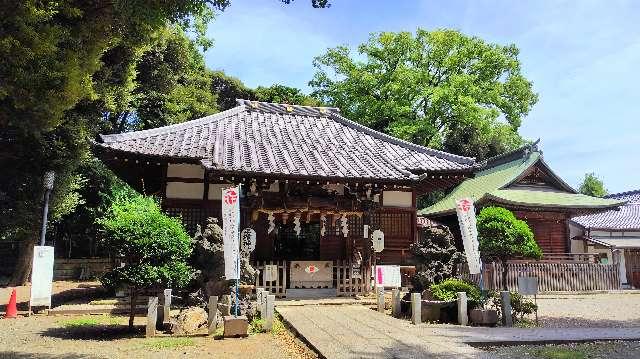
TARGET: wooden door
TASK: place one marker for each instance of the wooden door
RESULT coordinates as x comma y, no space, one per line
632,264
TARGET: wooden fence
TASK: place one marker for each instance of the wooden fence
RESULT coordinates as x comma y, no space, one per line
277,287
80,268
552,277
344,281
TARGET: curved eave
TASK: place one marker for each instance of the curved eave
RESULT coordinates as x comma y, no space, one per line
497,199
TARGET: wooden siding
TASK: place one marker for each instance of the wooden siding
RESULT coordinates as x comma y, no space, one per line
632,264
549,229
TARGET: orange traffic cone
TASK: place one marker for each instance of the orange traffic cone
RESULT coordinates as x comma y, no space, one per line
12,309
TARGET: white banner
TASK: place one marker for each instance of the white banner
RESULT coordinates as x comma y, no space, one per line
467,220
41,276
231,231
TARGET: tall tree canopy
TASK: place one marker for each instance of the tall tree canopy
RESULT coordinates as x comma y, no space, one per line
73,68
440,89
592,185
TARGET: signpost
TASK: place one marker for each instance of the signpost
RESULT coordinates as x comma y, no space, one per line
41,277
529,286
231,236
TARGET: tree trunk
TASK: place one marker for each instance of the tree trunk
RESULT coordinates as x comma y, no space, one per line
133,296
22,270
505,271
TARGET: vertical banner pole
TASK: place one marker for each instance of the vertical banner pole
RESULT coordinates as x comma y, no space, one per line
231,238
238,256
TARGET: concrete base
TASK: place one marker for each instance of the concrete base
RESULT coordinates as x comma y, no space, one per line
294,293
235,326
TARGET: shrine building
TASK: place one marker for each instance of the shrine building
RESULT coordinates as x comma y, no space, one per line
315,186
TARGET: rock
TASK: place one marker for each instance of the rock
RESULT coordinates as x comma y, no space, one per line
189,321
235,326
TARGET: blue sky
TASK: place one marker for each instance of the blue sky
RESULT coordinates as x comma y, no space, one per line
582,56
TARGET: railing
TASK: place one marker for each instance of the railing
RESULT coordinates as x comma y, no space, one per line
278,287
572,257
552,277
344,280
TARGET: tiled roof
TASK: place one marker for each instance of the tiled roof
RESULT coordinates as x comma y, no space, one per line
258,137
492,185
627,218
629,196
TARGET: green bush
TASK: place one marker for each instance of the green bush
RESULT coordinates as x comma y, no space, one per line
502,236
520,305
448,290
153,246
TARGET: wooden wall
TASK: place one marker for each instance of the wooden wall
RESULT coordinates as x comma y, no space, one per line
549,229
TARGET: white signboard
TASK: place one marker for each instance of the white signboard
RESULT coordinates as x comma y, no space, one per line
467,220
41,276
388,276
377,237
231,234
528,285
270,272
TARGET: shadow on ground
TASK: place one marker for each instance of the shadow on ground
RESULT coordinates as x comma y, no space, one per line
20,355
94,332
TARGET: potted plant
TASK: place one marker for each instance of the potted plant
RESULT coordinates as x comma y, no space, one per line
445,294
482,316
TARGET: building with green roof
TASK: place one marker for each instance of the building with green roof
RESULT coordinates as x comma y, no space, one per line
523,182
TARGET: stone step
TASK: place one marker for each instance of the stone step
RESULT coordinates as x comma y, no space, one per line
294,293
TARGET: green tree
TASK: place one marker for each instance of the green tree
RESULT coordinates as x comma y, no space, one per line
228,89
502,236
436,88
284,94
592,185
70,67
153,247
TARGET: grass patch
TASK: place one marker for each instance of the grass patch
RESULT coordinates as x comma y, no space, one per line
257,326
278,325
168,343
560,353
80,322
91,321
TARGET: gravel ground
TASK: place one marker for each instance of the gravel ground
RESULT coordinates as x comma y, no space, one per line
51,337
618,350
590,310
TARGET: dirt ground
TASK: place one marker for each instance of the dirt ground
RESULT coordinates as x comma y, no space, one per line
62,292
81,337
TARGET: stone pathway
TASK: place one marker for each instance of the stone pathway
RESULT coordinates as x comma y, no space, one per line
355,331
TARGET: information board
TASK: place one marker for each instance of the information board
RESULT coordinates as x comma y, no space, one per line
41,276
388,276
